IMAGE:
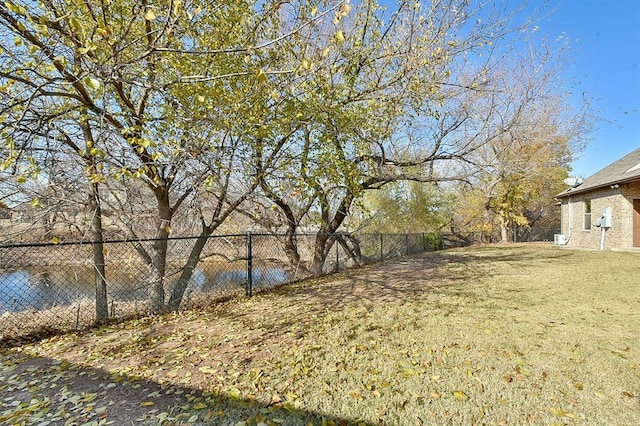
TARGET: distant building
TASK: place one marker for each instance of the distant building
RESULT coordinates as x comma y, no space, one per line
603,211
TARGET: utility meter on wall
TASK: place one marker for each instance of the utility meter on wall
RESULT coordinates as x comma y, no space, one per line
605,220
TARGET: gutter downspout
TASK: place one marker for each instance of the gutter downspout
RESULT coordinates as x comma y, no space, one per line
570,222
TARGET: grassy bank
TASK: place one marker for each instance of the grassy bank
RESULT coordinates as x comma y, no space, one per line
490,335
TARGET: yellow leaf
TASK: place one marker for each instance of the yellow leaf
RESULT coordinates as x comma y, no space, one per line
275,398
75,24
561,413
93,83
408,373
55,240
147,404
460,395
12,7
436,394
601,395
339,35
35,202
103,31
149,15
262,76
60,60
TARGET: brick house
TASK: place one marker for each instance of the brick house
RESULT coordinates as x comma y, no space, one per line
603,211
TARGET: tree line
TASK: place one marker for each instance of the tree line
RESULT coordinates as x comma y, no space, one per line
175,117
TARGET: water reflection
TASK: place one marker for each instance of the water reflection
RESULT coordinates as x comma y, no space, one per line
20,290
37,289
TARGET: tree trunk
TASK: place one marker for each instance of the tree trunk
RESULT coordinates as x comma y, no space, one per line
504,231
157,283
354,252
159,257
187,271
291,247
99,270
324,240
157,273
320,252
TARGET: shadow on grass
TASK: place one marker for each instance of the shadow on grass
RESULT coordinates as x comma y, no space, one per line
69,392
427,277
37,390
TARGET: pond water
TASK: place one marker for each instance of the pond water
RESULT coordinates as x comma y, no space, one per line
41,289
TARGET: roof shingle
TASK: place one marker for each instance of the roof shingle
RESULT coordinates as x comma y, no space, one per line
624,170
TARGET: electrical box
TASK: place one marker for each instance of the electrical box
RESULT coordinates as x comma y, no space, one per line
605,220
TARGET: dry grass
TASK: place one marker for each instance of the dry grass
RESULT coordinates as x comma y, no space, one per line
490,335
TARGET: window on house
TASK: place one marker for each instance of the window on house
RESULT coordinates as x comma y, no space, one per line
587,214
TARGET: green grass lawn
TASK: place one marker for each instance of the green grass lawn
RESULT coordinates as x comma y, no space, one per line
489,335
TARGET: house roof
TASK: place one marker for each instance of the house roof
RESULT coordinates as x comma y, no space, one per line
626,169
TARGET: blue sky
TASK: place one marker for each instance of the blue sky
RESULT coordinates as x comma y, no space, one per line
604,38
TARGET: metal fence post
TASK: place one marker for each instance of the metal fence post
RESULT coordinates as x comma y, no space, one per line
424,242
249,265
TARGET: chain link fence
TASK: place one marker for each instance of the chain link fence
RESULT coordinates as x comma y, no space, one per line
47,288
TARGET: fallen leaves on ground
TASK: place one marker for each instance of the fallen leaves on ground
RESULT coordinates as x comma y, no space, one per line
401,345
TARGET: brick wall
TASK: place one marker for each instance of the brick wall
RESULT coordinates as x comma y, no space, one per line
620,200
